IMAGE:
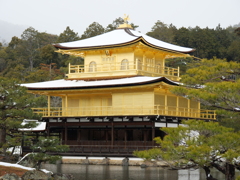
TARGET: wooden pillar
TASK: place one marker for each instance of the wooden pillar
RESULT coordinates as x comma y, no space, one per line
69,65
79,136
65,134
66,105
163,62
59,137
125,136
144,67
199,110
136,64
112,135
177,105
153,66
63,105
189,110
153,133
62,136
145,134
49,104
199,105
48,129
106,132
165,104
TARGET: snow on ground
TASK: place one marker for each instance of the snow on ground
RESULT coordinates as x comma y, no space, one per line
21,167
15,165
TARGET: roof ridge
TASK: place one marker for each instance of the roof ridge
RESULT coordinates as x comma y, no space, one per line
127,30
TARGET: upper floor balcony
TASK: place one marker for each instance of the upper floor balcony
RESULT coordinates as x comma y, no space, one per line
121,69
97,111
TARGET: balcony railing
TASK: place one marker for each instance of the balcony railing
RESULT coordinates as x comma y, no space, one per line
100,150
116,67
125,111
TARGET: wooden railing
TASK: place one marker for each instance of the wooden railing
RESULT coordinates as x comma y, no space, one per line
108,143
111,67
98,150
126,111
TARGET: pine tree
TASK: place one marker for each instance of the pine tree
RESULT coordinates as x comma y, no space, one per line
42,149
198,144
15,105
215,83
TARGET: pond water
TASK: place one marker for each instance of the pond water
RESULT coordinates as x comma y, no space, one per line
110,172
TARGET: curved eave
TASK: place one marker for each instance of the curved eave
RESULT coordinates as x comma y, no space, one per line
161,79
97,47
139,39
165,49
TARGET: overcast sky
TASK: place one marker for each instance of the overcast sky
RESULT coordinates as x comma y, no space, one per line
53,16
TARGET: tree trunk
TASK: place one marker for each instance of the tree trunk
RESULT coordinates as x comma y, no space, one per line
3,139
230,172
208,173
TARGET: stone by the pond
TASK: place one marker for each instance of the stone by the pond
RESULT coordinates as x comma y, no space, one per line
143,166
63,177
34,174
11,176
125,162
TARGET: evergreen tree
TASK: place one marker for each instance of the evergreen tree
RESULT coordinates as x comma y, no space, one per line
163,32
215,83
42,149
68,35
15,105
114,24
92,30
48,55
30,45
198,144
233,50
237,31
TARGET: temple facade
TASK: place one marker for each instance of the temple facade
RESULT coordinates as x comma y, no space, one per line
119,98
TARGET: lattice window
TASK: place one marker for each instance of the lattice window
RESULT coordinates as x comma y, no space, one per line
109,59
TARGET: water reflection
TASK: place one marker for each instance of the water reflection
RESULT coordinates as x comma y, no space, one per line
103,172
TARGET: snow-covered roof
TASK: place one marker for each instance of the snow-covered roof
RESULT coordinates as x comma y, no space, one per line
41,126
67,84
118,37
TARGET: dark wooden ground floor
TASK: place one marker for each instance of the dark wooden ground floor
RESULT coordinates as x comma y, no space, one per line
106,137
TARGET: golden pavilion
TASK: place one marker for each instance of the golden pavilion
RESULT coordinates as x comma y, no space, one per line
119,98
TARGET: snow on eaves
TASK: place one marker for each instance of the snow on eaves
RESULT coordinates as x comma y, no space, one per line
120,36
62,83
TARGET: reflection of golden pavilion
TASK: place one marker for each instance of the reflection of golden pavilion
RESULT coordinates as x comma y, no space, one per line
120,95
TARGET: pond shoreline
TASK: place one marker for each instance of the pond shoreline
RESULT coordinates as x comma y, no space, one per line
119,161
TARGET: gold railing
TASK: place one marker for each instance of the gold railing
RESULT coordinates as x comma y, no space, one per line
111,67
126,111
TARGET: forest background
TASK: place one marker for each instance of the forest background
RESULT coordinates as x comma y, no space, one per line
31,58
